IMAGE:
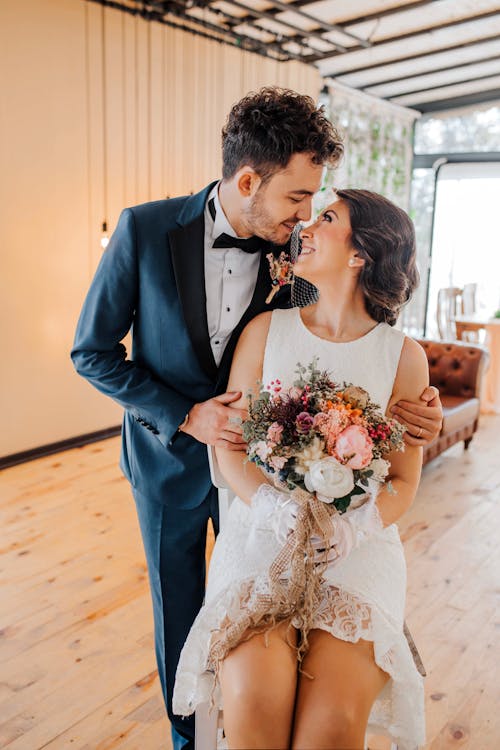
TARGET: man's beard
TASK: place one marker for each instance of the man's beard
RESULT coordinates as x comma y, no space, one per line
261,223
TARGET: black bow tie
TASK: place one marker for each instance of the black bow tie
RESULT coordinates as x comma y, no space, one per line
247,244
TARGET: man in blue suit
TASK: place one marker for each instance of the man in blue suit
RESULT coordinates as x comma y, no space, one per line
186,275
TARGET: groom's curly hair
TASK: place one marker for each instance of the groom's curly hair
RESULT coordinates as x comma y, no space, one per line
384,236
265,129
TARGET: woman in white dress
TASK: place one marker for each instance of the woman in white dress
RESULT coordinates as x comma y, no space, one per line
358,668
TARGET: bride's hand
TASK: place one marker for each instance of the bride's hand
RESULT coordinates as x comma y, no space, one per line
339,545
275,510
350,529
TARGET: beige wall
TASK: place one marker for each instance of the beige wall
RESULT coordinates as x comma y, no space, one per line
167,95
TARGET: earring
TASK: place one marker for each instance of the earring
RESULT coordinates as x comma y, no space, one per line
352,262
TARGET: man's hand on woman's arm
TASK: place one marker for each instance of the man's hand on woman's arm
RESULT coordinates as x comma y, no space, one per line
423,420
216,422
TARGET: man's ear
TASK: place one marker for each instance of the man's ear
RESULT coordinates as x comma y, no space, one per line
247,181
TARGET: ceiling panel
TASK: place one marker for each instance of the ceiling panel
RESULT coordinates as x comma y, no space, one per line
435,15
448,92
419,53
431,41
435,80
422,65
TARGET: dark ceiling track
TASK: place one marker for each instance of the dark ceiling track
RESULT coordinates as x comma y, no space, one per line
297,38
149,12
427,161
320,24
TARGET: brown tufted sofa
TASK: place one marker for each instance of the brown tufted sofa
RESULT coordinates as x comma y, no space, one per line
456,368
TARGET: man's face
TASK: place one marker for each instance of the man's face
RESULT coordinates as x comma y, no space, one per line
284,200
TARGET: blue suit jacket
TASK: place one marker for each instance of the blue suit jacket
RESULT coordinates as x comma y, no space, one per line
151,279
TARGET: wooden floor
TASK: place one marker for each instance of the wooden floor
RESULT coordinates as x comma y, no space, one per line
76,646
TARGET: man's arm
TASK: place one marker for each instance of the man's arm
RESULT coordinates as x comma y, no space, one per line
107,316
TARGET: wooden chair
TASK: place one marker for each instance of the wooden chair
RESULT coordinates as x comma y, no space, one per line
469,293
452,302
209,733
449,305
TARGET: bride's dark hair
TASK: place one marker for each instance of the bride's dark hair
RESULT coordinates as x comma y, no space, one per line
384,236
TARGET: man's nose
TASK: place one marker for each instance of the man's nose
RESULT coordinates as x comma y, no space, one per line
305,208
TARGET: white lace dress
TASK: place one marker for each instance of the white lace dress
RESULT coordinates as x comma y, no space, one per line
364,595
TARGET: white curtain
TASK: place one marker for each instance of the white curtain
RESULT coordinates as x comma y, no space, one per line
378,140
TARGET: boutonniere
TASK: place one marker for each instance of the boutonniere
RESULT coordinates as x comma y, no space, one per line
281,272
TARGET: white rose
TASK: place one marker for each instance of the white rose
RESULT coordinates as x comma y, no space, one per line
380,469
329,478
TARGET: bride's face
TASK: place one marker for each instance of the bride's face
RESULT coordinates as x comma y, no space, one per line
326,244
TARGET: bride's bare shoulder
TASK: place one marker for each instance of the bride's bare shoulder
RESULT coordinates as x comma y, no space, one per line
258,328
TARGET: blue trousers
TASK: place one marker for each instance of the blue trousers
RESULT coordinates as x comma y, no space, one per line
174,542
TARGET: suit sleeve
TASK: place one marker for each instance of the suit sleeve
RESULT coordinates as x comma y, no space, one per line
107,316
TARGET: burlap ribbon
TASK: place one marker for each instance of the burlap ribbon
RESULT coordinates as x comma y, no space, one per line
293,586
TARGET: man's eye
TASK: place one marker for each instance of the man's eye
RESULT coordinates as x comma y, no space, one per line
296,200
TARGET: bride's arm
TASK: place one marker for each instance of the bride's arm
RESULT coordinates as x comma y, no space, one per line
246,370
411,379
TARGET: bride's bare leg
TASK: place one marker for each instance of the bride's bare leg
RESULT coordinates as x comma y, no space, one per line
332,709
258,688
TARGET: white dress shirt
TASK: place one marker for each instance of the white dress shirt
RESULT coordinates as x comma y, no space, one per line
230,278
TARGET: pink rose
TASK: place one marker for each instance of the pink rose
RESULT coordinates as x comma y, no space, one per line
354,447
274,432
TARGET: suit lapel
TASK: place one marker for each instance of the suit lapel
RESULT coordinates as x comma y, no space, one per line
188,260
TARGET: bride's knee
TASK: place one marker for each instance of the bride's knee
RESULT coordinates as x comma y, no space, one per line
339,726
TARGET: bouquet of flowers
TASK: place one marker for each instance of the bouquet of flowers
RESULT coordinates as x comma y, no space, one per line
321,436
